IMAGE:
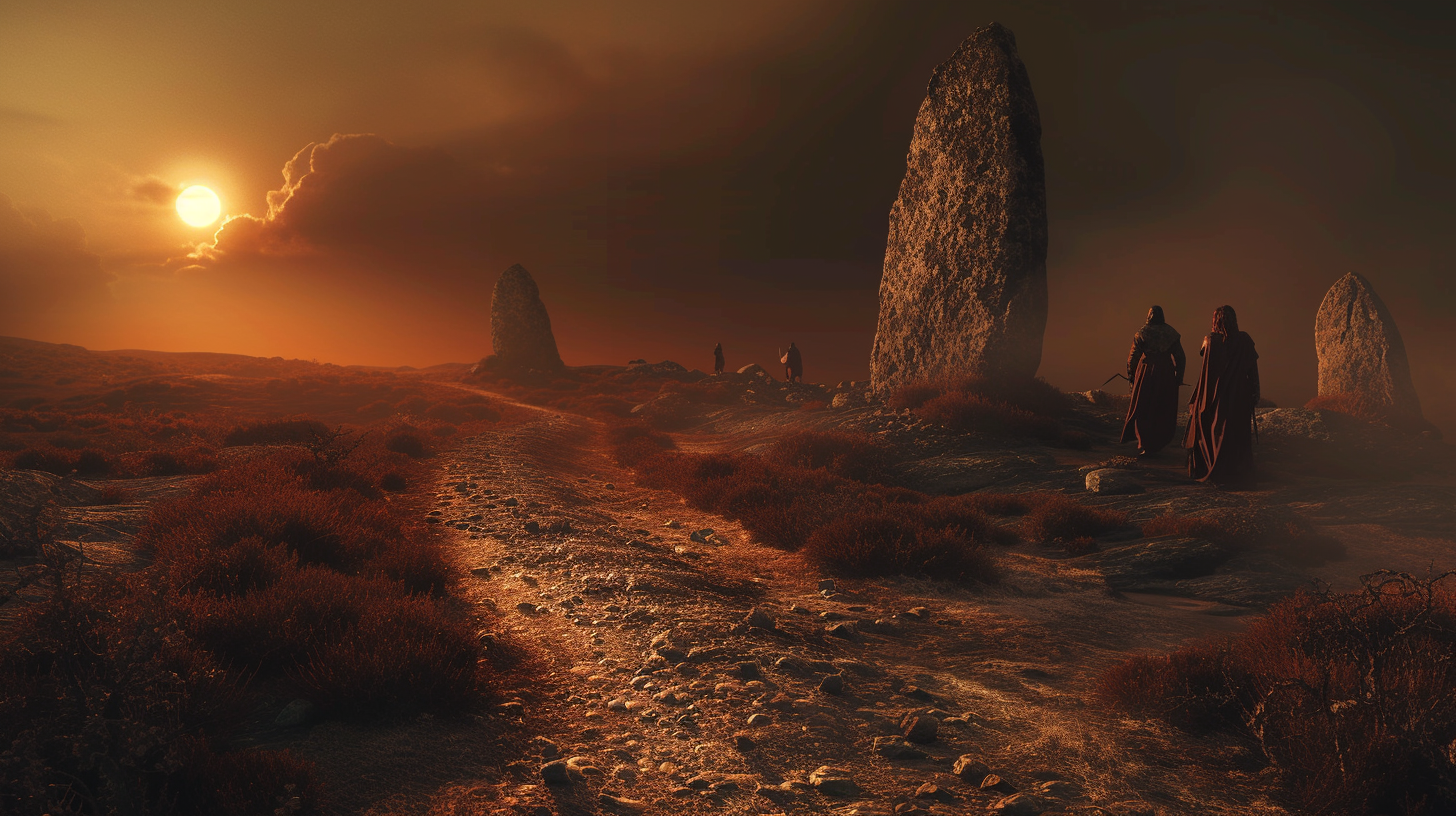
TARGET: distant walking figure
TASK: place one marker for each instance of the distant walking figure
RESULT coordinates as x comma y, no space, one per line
718,359
1221,415
1155,368
793,364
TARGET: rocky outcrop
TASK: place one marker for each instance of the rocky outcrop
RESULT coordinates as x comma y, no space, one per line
1362,362
964,284
520,329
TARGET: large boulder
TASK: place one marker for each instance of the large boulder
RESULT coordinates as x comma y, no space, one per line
520,329
1362,362
964,287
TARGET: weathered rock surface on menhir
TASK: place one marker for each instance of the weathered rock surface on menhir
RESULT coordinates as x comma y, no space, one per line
520,329
964,287
1361,354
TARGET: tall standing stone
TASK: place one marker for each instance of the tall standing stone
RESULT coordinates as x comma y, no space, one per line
964,287
520,329
1361,354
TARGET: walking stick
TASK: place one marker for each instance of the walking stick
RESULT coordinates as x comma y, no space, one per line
1115,376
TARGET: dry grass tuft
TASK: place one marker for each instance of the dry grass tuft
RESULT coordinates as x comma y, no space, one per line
1350,696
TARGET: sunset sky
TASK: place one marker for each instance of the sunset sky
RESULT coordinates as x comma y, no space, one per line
679,174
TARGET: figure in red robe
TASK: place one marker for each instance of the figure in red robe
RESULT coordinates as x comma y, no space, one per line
1155,369
1220,437
718,359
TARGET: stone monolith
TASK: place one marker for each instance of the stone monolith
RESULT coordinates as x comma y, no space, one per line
964,286
1361,355
520,329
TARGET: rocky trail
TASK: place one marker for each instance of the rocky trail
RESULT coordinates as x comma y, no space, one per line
684,668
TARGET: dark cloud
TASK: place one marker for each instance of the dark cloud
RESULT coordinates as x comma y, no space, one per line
360,195
44,266
153,190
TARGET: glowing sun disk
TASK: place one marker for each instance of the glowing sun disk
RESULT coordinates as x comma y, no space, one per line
198,206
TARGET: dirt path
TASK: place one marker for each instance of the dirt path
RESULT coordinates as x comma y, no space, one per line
656,692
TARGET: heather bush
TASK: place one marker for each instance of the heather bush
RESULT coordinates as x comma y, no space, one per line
277,432
880,543
1251,528
798,495
1351,697
1028,409
857,456
1058,519
109,707
407,441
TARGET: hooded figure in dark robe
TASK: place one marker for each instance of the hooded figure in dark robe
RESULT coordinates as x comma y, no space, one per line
1155,368
1221,415
793,364
718,359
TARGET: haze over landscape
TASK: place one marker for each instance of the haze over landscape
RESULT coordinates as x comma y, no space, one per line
676,175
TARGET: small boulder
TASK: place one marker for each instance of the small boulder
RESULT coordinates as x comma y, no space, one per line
555,773
1112,482
896,748
832,684
833,781
760,619
970,768
920,728
1018,804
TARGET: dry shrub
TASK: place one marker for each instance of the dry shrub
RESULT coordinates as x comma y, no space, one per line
407,440
1350,696
191,460
109,707
634,443
799,495
1058,519
1252,528
1028,409
277,432
406,653
852,455
62,462
282,567
880,543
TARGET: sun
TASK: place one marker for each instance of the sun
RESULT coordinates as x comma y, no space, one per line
198,206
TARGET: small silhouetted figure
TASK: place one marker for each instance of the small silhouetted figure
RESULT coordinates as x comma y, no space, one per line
793,364
1155,368
1221,415
718,359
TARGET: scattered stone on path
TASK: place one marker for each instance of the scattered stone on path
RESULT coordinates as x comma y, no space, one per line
833,781
748,670
760,619
742,742
993,782
520,328
840,630
964,287
920,728
702,536
1361,355
621,804
555,773
1112,482
514,708
1018,804
527,608
826,585
756,720
970,768
895,748
546,747
832,684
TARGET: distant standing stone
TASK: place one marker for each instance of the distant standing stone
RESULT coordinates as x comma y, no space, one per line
1361,354
520,329
964,288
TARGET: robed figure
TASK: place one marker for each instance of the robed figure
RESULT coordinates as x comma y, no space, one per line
1220,437
718,359
793,364
1155,369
